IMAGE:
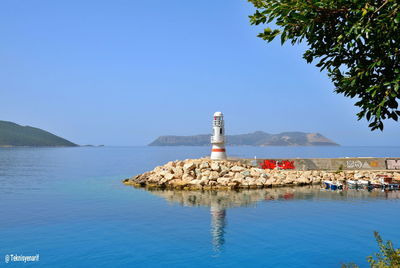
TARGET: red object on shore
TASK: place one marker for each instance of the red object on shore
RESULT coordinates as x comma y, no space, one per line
272,164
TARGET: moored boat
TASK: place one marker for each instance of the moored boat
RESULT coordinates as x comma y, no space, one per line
330,185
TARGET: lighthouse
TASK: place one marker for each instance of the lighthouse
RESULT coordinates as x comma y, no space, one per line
218,138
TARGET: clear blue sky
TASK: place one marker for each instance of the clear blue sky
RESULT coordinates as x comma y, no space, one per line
123,72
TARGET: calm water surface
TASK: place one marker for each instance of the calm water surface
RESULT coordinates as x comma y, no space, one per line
69,206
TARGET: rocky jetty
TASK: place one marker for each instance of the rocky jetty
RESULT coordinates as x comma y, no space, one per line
206,174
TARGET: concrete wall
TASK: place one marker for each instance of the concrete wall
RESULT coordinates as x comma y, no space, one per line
358,163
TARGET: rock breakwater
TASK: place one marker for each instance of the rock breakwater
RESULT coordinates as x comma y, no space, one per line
205,174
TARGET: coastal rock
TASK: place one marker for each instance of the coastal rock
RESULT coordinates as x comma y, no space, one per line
303,180
238,177
255,172
207,174
212,183
170,164
249,181
260,182
195,182
223,181
214,175
154,178
237,168
178,171
223,172
215,166
245,173
270,182
358,176
204,165
187,178
188,167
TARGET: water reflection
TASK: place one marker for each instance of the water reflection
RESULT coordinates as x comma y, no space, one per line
218,222
220,201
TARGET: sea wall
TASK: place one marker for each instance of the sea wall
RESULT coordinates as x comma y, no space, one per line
244,173
358,163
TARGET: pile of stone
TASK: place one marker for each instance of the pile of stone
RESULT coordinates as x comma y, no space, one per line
194,174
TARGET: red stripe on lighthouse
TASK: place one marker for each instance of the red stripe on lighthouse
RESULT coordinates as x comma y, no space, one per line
218,150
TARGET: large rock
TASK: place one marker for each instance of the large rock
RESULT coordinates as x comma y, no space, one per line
170,164
187,178
255,172
206,173
204,165
237,168
215,166
189,167
178,171
197,172
230,174
214,175
204,180
223,172
269,182
238,177
249,181
167,178
223,181
358,176
156,178
164,171
246,173
212,183
195,182
302,180
177,183
260,181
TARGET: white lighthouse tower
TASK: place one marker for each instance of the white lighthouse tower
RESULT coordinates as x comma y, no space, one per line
218,138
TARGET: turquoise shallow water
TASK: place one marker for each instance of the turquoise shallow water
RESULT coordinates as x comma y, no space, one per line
69,206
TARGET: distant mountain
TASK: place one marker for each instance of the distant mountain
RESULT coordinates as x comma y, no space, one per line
12,134
258,138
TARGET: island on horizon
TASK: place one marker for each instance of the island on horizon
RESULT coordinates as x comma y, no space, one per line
258,138
14,135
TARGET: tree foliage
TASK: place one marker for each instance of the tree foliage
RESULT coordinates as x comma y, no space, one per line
385,258
356,41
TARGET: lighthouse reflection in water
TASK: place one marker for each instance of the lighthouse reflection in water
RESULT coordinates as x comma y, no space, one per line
218,222
220,201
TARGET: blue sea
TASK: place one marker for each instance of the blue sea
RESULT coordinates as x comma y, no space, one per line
69,206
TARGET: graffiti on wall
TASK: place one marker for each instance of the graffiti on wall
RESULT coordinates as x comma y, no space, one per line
392,164
358,164
274,164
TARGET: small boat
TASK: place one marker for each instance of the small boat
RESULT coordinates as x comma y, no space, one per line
327,184
337,186
352,184
388,182
359,184
363,182
376,185
330,185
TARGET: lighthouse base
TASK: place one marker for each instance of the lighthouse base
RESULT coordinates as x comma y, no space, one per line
218,152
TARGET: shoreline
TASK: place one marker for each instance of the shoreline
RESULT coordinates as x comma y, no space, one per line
206,174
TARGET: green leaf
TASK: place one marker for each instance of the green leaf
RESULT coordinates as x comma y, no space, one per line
378,112
357,41
397,19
